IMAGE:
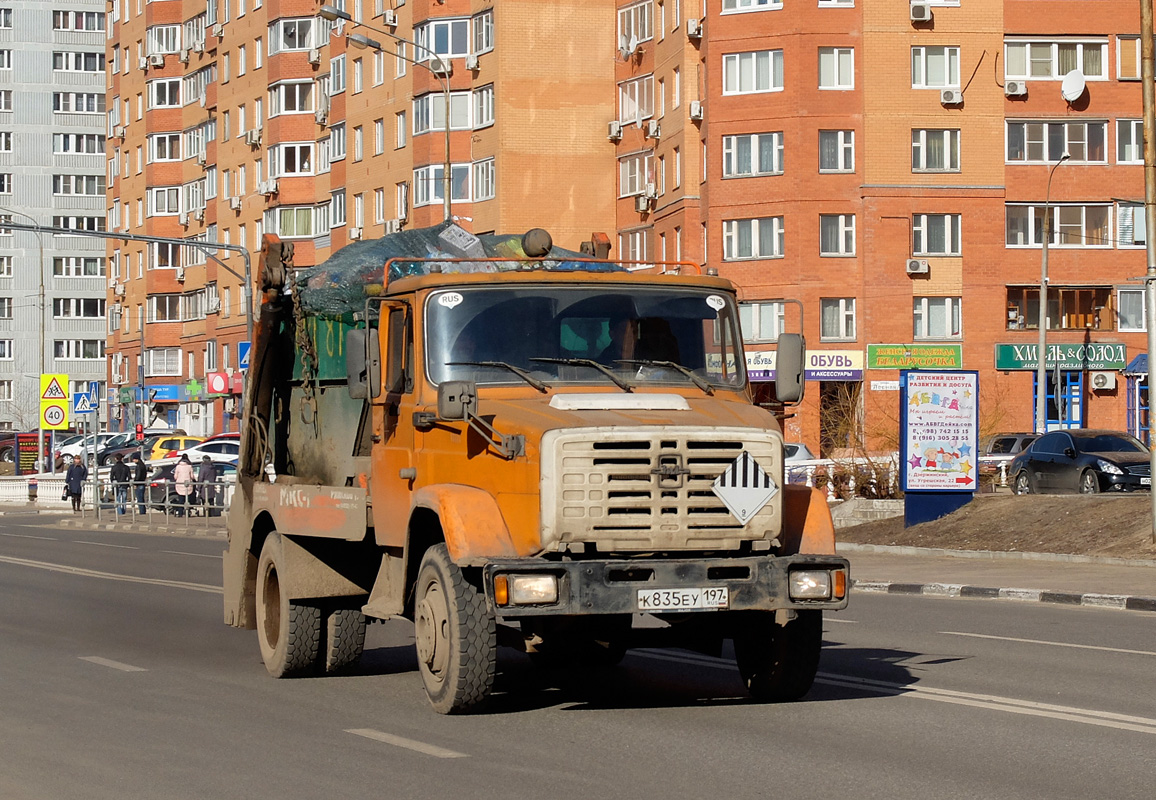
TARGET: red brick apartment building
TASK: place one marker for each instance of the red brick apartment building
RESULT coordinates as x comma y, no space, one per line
885,164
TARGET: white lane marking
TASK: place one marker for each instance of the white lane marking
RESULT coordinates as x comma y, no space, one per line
841,621
26,536
1052,644
105,662
197,555
1104,719
110,576
106,544
408,744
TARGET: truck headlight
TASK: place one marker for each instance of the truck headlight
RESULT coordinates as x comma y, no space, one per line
525,590
809,584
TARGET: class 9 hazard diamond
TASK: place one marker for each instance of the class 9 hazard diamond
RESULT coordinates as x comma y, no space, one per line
744,487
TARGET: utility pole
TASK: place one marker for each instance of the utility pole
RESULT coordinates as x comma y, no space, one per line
1147,75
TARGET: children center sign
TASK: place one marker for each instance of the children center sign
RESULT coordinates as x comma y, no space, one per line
939,426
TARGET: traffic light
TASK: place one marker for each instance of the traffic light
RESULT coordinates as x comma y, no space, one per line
139,432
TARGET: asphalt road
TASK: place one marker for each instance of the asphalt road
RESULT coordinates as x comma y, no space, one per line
119,680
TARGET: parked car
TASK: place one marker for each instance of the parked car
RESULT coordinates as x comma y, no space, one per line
796,451
169,445
1085,461
217,450
82,446
227,436
162,492
104,456
1001,448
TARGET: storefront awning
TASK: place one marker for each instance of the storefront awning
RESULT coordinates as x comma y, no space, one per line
1138,365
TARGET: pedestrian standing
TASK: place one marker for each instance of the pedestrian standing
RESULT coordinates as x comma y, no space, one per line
120,475
183,480
207,479
74,482
139,479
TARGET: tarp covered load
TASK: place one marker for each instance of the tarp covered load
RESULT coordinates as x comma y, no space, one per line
340,285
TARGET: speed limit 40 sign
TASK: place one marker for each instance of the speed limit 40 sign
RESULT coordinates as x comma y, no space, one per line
55,415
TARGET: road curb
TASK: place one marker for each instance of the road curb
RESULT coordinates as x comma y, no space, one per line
1089,599
847,547
154,529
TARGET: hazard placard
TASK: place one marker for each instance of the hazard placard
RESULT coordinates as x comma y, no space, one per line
744,487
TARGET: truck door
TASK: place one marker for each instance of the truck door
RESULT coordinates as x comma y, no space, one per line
392,412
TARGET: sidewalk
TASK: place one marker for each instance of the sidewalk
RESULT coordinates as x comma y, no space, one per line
1038,577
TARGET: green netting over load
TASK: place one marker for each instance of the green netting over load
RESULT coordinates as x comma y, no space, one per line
339,286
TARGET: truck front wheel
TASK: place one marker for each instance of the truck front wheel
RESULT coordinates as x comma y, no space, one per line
289,632
778,662
456,636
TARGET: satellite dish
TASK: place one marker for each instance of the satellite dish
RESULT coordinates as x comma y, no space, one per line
1072,86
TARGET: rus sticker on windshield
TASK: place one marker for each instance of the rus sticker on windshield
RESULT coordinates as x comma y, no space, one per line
450,299
715,302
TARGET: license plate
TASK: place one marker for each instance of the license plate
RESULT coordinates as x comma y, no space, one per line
1145,481
707,597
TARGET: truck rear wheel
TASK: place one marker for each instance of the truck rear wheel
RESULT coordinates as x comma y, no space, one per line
456,636
778,662
289,632
344,638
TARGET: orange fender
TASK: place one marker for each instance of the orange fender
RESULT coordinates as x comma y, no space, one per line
471,522
807,524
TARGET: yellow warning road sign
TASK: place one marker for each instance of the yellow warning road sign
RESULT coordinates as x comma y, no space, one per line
52,387
54,401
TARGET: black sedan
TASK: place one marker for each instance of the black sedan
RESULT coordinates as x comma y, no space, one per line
1084,461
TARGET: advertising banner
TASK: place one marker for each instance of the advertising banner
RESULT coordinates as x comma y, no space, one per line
1093,355
914,356
939,427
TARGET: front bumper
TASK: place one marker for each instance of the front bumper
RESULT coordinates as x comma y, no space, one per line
1126,482
754,583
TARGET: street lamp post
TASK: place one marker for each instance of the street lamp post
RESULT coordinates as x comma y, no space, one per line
1041,355
442,73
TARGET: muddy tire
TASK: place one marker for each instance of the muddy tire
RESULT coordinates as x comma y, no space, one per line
778,662
1089,482
344,638
455,634
1022,483
7,454
289,632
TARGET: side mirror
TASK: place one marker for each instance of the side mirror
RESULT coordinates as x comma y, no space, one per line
363,363
1069,452
789,361
457,400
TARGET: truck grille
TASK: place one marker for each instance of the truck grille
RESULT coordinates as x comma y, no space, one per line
650,489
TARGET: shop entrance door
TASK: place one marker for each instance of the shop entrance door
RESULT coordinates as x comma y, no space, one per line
1065,408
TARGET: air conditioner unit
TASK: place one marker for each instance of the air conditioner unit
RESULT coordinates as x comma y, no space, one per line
642,204
199,46
156,60
651,191
235,203
694,29
118,289
212,305
471,61
696,110
201,159
389,17
114,411
199,215
219,30
653,129
315,56
392,226
269,186
180,274
143,62
230,404
441,66
184,56
355,233
1015,88
253,137
614,131
321,115
183,218
920,12
118,132
917,266
1103,381
951,97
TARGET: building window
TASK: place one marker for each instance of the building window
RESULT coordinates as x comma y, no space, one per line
429,112
1046,142
78,267
484,106
731,6
337,142
427,182
5,266
934,67
1054,60
401,130
635,22
936,234
837,234
448,38
836,151
634,174
71,21
78,103
5,308
78,308
836,68
70,61
749,73
753,238
1130,308
79,223
337,208
1128,58
635,246
6,350
164,255
293,222
74,143
89,185
163,39
1071,225
753,154
287,35
291,159
762,322
636,99
937,317
291,98
337,74
837,318
164,147
483,32
164,201
163,361
78,348
1069,308
1129,141
1130,225
484,180
165,93
935,150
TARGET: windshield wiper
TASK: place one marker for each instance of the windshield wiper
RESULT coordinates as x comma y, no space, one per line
699,382
589,362
521,373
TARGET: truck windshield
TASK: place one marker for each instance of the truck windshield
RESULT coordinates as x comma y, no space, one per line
580,335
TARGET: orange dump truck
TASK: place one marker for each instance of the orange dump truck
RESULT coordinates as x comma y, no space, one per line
511,444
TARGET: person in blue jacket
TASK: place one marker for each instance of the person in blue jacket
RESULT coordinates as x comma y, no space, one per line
74,481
